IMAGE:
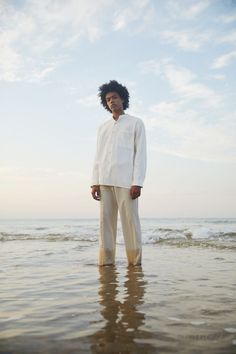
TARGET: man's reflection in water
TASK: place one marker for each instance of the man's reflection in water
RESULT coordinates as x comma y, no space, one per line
120,312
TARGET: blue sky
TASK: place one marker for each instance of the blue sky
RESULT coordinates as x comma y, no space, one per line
177,58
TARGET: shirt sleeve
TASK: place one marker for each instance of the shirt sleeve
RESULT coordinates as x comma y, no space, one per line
140,155
95,171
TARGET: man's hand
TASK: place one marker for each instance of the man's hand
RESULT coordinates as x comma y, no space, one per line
135,192
96,192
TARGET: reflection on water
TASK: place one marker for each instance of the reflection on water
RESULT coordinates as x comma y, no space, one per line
120,311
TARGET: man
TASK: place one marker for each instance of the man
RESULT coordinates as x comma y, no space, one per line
118,175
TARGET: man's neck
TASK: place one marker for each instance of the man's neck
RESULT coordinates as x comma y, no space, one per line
116,115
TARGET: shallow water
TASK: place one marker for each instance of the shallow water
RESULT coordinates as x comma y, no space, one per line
55,299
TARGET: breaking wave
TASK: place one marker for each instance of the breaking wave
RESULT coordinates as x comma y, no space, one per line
47,237
219,233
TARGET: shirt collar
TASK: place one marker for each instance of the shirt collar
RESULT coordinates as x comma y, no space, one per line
120,118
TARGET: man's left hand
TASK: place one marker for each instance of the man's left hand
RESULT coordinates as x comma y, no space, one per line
135,192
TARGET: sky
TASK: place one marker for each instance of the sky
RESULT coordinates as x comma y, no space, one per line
178,60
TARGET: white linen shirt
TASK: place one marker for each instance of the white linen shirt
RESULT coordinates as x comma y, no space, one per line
120,159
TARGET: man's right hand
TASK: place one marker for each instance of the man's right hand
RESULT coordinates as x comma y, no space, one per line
96,192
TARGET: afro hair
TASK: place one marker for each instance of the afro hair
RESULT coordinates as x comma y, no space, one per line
114,86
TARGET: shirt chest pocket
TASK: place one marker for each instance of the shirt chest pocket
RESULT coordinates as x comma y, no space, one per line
125,139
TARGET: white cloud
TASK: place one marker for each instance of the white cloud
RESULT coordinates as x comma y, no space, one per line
228,18
151,65
72,17
182,81
38,74
229,37
89,101
196,9
165,108
33,33
194,125
134,11
224,60
15,25
10,62
177,130
218,77
187,40
187,10
16,61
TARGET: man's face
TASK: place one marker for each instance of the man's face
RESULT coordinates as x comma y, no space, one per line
114,102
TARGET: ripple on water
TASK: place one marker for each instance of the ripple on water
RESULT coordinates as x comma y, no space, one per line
230,330
13,318
174,318
197,322
214,312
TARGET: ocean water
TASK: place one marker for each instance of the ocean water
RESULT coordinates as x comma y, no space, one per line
208,232
55,299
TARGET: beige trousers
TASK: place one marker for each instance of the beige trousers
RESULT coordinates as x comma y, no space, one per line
114,199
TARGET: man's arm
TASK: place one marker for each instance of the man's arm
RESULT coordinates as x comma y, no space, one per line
95,174
139,160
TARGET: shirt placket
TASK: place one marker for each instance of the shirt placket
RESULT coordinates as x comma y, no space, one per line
112,142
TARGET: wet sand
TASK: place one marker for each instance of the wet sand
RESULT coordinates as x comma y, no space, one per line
55,299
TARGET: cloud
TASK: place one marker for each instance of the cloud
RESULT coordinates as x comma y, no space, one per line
34,36
183,81
229,37
228,18
224,60
165,108
193,125
150,66
185,10
11,60
37,34
187,40
218,77
136,11
16,60
76,18
175,129
89,101
196,9
38,75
